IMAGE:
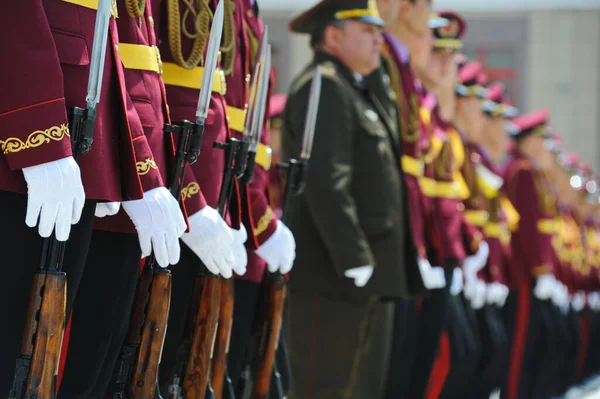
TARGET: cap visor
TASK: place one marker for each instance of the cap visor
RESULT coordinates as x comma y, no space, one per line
371,20
437,22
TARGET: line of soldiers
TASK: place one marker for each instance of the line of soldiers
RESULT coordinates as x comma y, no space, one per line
133,196
446,245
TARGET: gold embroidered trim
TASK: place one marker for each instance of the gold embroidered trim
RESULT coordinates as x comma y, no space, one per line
264,221
190,190
35,139
143,167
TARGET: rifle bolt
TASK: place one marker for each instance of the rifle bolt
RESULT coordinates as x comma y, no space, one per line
140,383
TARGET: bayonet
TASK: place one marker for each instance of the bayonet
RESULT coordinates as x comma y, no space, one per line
311,115
98,55
210,64
255,83
261,101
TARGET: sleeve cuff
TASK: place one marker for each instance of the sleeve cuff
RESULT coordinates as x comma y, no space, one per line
146,168
540,270
35,134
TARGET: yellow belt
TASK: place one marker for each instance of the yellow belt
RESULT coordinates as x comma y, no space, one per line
93,4
497,230
236,118
263,156
445,189
175,75
547,226
140,57
477,218
412,166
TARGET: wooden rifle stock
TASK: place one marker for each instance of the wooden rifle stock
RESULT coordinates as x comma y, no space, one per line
197,371
275,292
219,367
153,337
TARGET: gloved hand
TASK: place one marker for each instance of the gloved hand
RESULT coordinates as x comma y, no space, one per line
578,301
55,195
213,241
478,300
545,286
474,263
279,251
107,209
433,277
496,294
239,250
361,275
457,282
159,223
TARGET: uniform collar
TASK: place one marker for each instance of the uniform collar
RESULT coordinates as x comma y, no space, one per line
342,69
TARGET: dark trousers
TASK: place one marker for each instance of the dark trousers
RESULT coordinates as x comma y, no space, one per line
465,347
432,318
404,346
494,353
592,358
101,314
331,347
528,341
21,248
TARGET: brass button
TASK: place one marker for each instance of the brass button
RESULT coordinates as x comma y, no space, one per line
460,207
151,21
250,13
117,49
476,158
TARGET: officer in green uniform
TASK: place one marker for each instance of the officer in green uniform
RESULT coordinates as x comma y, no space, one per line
349,226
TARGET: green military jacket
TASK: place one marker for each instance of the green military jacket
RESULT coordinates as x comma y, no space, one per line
352,212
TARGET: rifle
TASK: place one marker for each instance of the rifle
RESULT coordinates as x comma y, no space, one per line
262,375
137,375
243,169
37,366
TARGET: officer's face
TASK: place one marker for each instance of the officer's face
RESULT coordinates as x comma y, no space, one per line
420,53
498,138
469,109
357,45
442,69
415,15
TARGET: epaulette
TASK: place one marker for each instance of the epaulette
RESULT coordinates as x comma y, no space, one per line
328,69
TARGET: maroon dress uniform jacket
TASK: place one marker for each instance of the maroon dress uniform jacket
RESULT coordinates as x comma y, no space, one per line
531,242
402,81
47,76
183,102
147,100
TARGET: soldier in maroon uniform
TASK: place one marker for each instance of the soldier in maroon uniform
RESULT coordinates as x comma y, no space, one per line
270,243
532,265
407,45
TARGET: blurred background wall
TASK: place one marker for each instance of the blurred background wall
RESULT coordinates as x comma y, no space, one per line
546,51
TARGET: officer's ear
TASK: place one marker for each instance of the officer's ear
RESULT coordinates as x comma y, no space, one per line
332,35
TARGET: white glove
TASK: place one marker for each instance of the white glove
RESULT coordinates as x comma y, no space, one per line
457,281
55,195
496,294
107,209
474,263
361,275
578,301
478,299
279,251
544,288
239,250
159,223
594,301
213,241
433,277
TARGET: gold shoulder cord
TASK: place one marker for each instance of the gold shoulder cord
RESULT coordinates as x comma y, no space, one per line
135,8
200,11
228,47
